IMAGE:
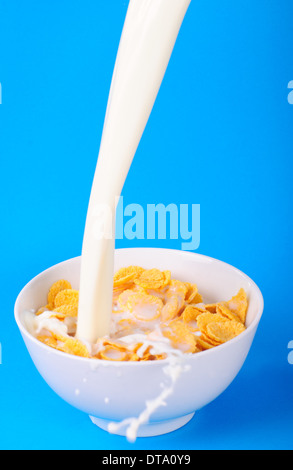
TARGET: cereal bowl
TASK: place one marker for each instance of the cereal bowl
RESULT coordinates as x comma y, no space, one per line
110,392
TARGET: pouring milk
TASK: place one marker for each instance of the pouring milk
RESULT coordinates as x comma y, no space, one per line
148,38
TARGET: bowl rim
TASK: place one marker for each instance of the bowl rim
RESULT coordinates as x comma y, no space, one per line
162,362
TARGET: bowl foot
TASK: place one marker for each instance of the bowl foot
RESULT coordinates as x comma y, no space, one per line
148,430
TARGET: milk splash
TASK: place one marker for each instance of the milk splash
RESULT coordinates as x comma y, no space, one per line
173,370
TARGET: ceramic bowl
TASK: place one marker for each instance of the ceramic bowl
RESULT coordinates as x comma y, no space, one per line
111,391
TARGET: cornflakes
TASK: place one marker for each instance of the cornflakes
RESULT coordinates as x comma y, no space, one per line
151,313
127,275
113,353
175,296
205,318
153,279
239,304
71,346
221,332
192,295
223,310
43,309
179,334
67,310
189,317
48,340
66,297
55,289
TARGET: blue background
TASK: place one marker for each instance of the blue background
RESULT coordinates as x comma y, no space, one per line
220,135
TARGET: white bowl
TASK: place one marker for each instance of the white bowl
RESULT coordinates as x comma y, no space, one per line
110,391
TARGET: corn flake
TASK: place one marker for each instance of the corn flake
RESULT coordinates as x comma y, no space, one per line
113,353
127,275
180,336
174,300
145,307
192,294
67,310
203,343
48,340
223,310
221,332
212,308
153,279
239,304
67,297
189,316
43,309
205,318
71,346
55,289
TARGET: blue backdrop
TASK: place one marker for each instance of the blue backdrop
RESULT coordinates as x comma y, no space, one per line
220,135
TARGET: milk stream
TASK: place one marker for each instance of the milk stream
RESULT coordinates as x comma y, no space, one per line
148,38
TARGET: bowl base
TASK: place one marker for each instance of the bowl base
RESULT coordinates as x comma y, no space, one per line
148,430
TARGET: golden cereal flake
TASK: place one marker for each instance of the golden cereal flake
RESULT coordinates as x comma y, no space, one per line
48,340
43,309
145,307
192,295
127,275
174,300
126,295
178,288
203,343
142,306
180,336
55,289
59,316
239,304
189,316
67,297
134,358
205,318
113,353
153,279
212,308
153,357
64,344
71,346
223,310
67,310
222,332
171,309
